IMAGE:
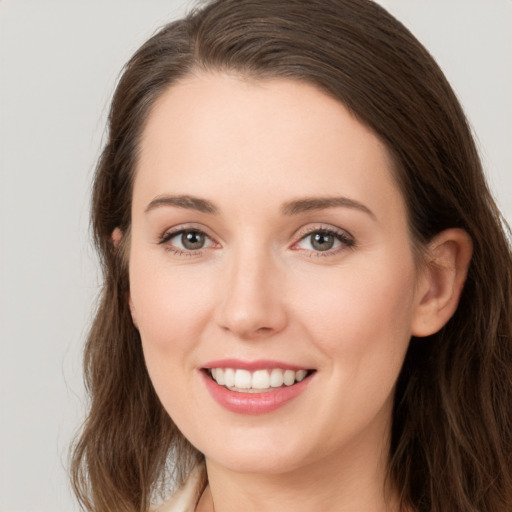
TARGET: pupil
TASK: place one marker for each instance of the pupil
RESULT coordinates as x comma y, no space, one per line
192,240
322,241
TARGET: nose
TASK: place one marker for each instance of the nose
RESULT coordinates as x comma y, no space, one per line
252,304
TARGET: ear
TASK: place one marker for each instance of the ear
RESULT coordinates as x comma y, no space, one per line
117,235
441,281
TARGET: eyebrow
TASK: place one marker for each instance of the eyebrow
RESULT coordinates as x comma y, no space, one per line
321,203
184,201
295,207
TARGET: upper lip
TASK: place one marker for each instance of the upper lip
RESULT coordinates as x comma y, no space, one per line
259,364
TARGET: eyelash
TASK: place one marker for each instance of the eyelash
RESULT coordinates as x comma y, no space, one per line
169,235
346,240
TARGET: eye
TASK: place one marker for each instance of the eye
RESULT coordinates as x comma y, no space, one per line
186,240
325,241
322,241
191,239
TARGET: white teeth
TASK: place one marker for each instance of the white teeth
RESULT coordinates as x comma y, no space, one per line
260,379
244,380
219,376
229,377
300,375
289,377
276,378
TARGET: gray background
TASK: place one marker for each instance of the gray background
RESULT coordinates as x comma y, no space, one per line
59,61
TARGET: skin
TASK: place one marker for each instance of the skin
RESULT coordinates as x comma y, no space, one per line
259,289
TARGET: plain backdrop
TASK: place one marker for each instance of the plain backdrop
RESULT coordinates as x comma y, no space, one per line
59,61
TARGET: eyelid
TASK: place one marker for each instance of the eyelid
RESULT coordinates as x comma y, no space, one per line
347,239
185,226
342,235
174,231
326,228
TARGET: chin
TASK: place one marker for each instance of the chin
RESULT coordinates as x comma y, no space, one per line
248,454
257,462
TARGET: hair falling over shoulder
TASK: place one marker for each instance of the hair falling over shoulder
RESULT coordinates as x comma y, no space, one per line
451,447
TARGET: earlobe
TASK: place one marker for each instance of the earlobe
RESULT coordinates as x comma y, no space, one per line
442,281
116,237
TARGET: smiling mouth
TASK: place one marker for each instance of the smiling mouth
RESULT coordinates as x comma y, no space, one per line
259,381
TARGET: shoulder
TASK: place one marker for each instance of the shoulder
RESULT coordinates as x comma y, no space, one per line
186,497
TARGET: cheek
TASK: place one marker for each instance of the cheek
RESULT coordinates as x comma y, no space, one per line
360,322
169,305
170,308
363,312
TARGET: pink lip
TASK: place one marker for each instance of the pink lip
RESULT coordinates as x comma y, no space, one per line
253,403
261,364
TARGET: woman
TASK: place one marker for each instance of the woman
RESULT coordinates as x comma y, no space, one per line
308,287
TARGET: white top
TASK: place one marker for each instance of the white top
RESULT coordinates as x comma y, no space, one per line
185,499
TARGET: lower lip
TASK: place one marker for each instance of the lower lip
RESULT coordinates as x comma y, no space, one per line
253,403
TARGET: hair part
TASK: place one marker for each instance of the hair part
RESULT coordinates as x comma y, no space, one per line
452,428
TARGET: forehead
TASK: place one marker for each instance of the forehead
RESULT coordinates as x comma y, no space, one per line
228,136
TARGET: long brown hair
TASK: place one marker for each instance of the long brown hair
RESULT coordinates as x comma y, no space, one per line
451,446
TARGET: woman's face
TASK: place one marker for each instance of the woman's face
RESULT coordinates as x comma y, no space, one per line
270,242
